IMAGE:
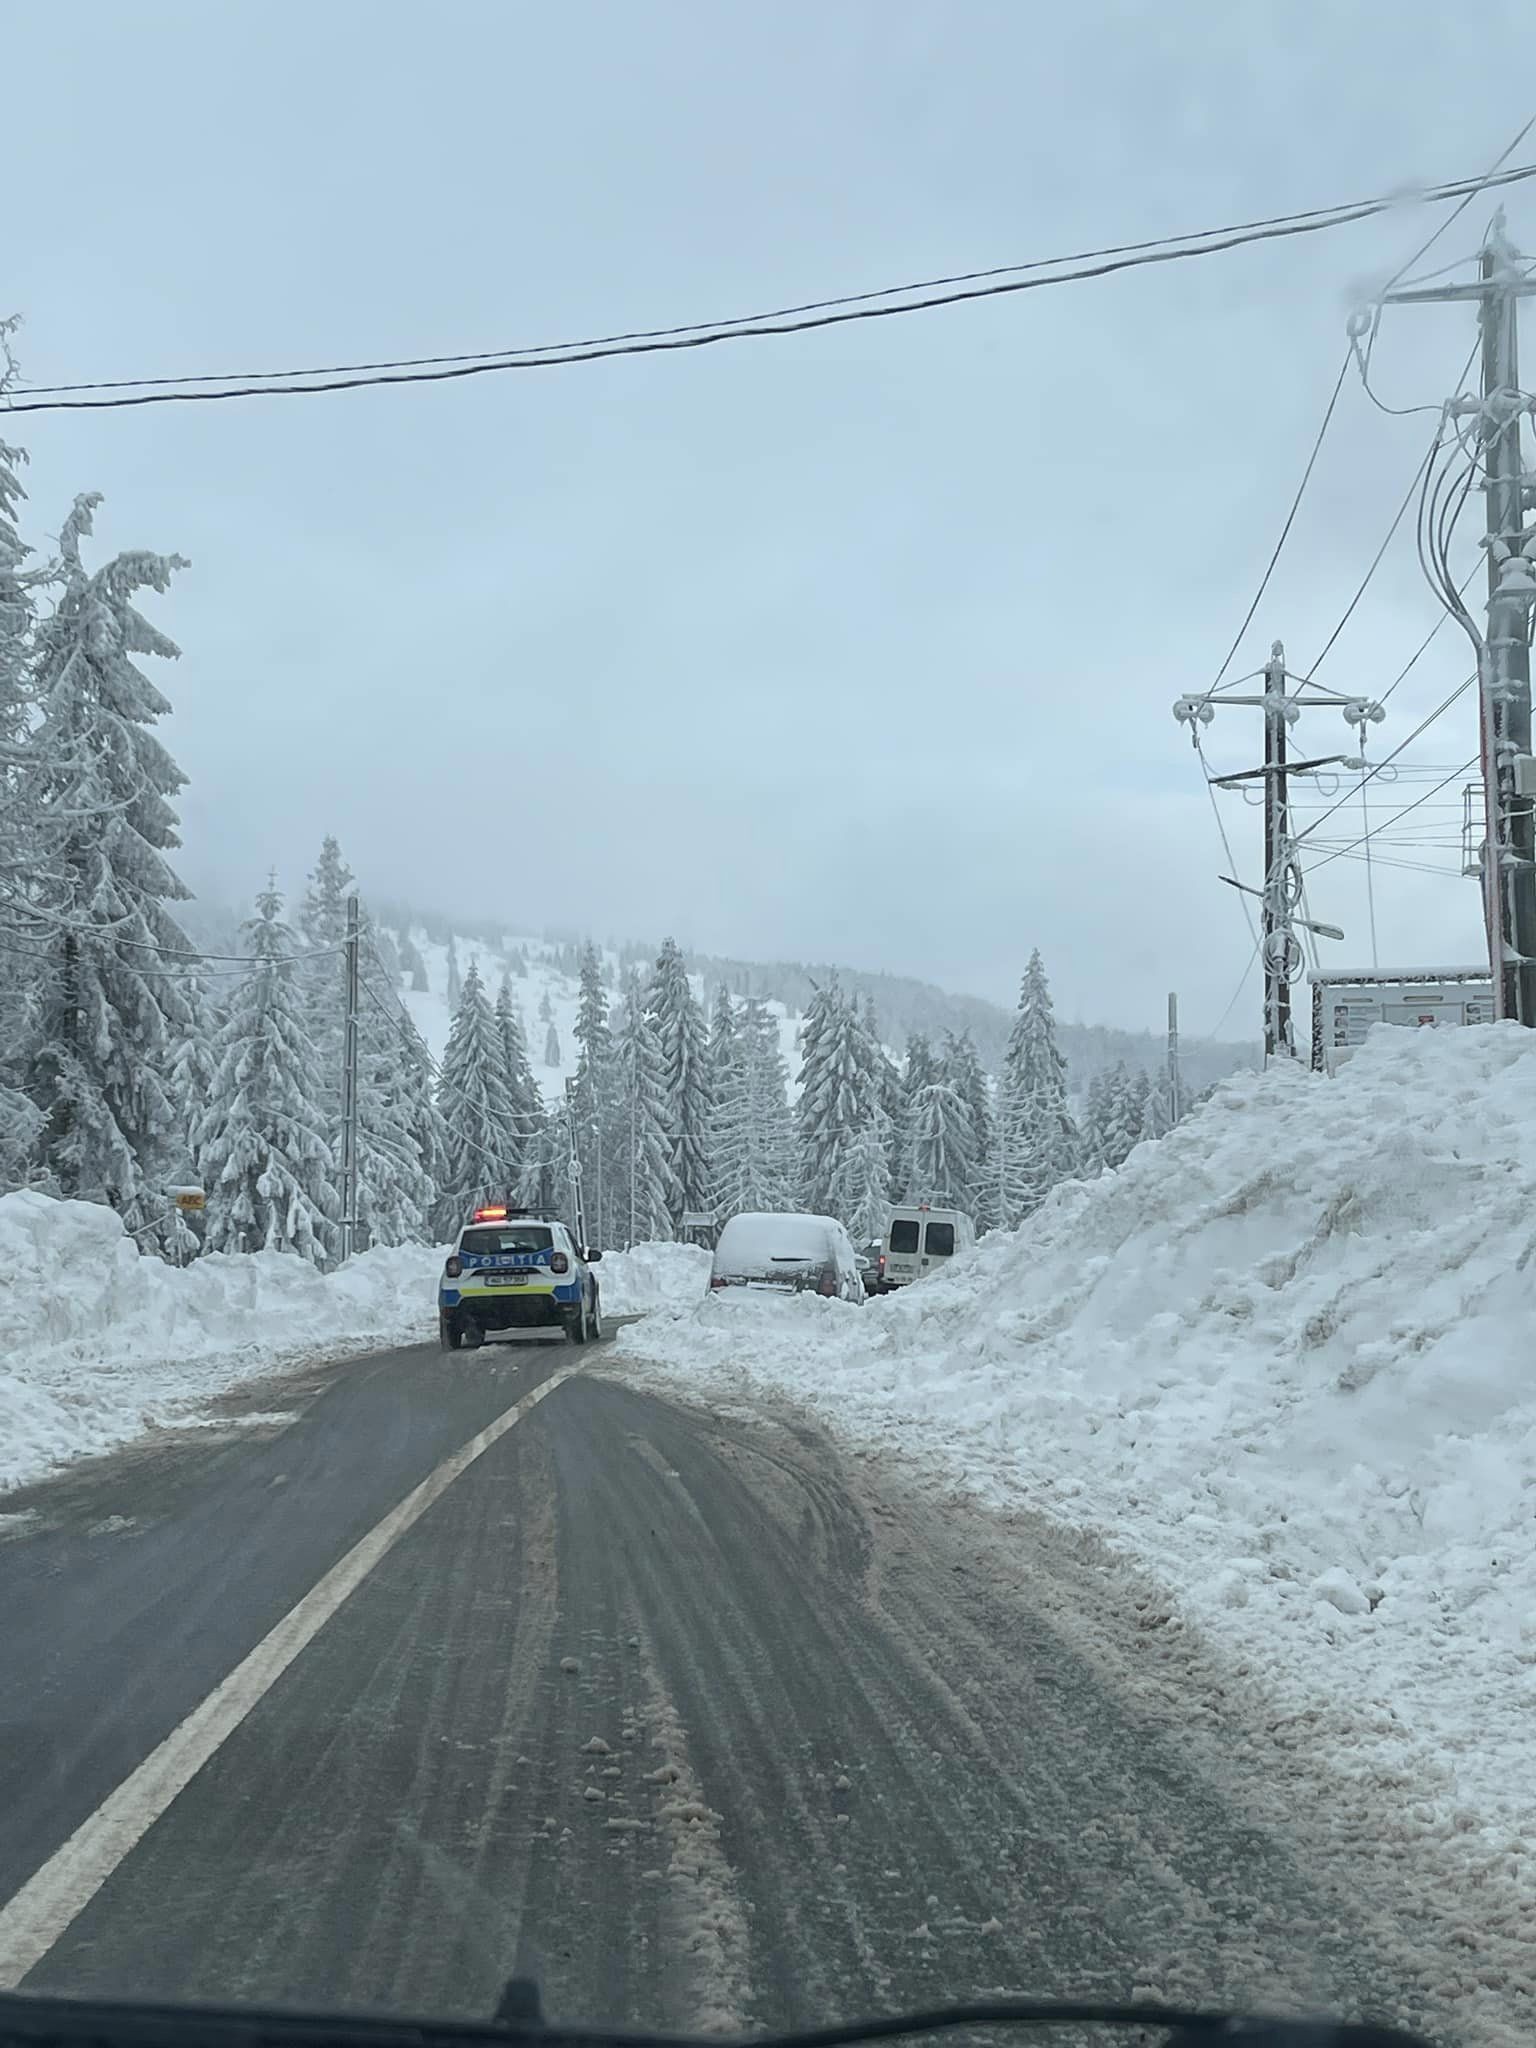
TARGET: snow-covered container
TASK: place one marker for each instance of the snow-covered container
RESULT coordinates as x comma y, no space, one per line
1346,1006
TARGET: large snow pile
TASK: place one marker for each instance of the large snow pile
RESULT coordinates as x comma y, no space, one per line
1285,1359
98,1342
652,1276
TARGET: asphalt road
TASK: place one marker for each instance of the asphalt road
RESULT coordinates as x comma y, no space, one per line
672,1711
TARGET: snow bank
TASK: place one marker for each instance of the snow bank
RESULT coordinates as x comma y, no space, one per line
652,1276
98,1343
1285,1359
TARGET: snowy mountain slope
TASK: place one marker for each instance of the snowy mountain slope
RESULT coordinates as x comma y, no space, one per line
546,979
1281,1360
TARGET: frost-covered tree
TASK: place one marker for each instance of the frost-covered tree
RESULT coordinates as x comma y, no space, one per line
644,1181
105,1009
20,1122
1120,1110
683,1042
1157,1120
546,1009
322,928
838,1093
960,1069
1037,1140
889,1092
552,1047
940,1147
517,1068
454,985
190,1075
860,1195
481,1134
261,1145
752,1142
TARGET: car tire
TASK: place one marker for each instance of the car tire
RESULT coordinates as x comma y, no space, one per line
447,1334
596,1327
472,1336
576,1328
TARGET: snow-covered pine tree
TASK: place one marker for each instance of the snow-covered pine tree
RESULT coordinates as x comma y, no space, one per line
104,1013
919,1068
838,1093
961,1068
261,1144
1123,1109
595,1099
322,930
939,1141
546,1009
190,1076
1095,1123
1158,1119
516,1066
889,1092
860,1194
683,1042
552,1047
396,1180
1038,1141
454,986
644,1182
20,1122
481,1132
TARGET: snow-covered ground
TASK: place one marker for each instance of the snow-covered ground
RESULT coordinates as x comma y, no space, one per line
1283,1360
99,1343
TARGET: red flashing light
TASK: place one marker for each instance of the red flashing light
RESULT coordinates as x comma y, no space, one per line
495,1214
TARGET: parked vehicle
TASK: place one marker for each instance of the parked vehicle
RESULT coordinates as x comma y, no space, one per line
787,1254
918,1238
872,1266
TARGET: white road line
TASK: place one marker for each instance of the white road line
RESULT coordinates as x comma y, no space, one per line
34,1918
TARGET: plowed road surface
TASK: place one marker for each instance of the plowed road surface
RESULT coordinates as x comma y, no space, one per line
428,1671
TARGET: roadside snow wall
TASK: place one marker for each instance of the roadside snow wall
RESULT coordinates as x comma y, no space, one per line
1285,1360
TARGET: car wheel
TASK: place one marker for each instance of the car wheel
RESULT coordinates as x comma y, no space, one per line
597,1317
472,1336
576,1328
447,1334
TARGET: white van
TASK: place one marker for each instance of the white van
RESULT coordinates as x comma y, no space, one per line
918,1239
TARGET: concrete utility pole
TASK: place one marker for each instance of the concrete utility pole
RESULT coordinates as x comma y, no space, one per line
1503,656
1280,897
1175,1082
349,1090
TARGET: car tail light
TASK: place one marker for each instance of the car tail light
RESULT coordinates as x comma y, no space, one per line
827,1285
718,1280
559,1263
454,1268
881,1266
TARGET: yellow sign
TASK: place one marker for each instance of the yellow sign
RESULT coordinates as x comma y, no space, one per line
191,1198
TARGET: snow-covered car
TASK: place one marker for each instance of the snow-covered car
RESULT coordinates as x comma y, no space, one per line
787,1254
918,1238
511,1271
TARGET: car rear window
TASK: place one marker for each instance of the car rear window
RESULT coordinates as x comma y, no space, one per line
941,1240
904,1235
507,1237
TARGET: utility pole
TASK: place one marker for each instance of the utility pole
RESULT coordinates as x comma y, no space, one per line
349,1091
1281,955
1503,654
1280,897
1175,1083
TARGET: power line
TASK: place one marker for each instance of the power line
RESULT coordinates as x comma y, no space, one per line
1290,520
1400,815
838,312
1423,727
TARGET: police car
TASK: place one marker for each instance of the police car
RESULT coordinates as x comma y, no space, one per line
512,1270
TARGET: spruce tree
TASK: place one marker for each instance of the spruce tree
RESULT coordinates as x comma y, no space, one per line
1038,1141
482,1137
322,927
644,1181
454,985
837,1093
962,1069
940,1149
860,1195
20,1122
261,1145
683,1042
412,963
106,1008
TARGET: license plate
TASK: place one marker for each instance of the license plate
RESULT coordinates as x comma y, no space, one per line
507,1279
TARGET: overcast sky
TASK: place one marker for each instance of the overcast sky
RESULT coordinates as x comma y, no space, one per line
857,645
